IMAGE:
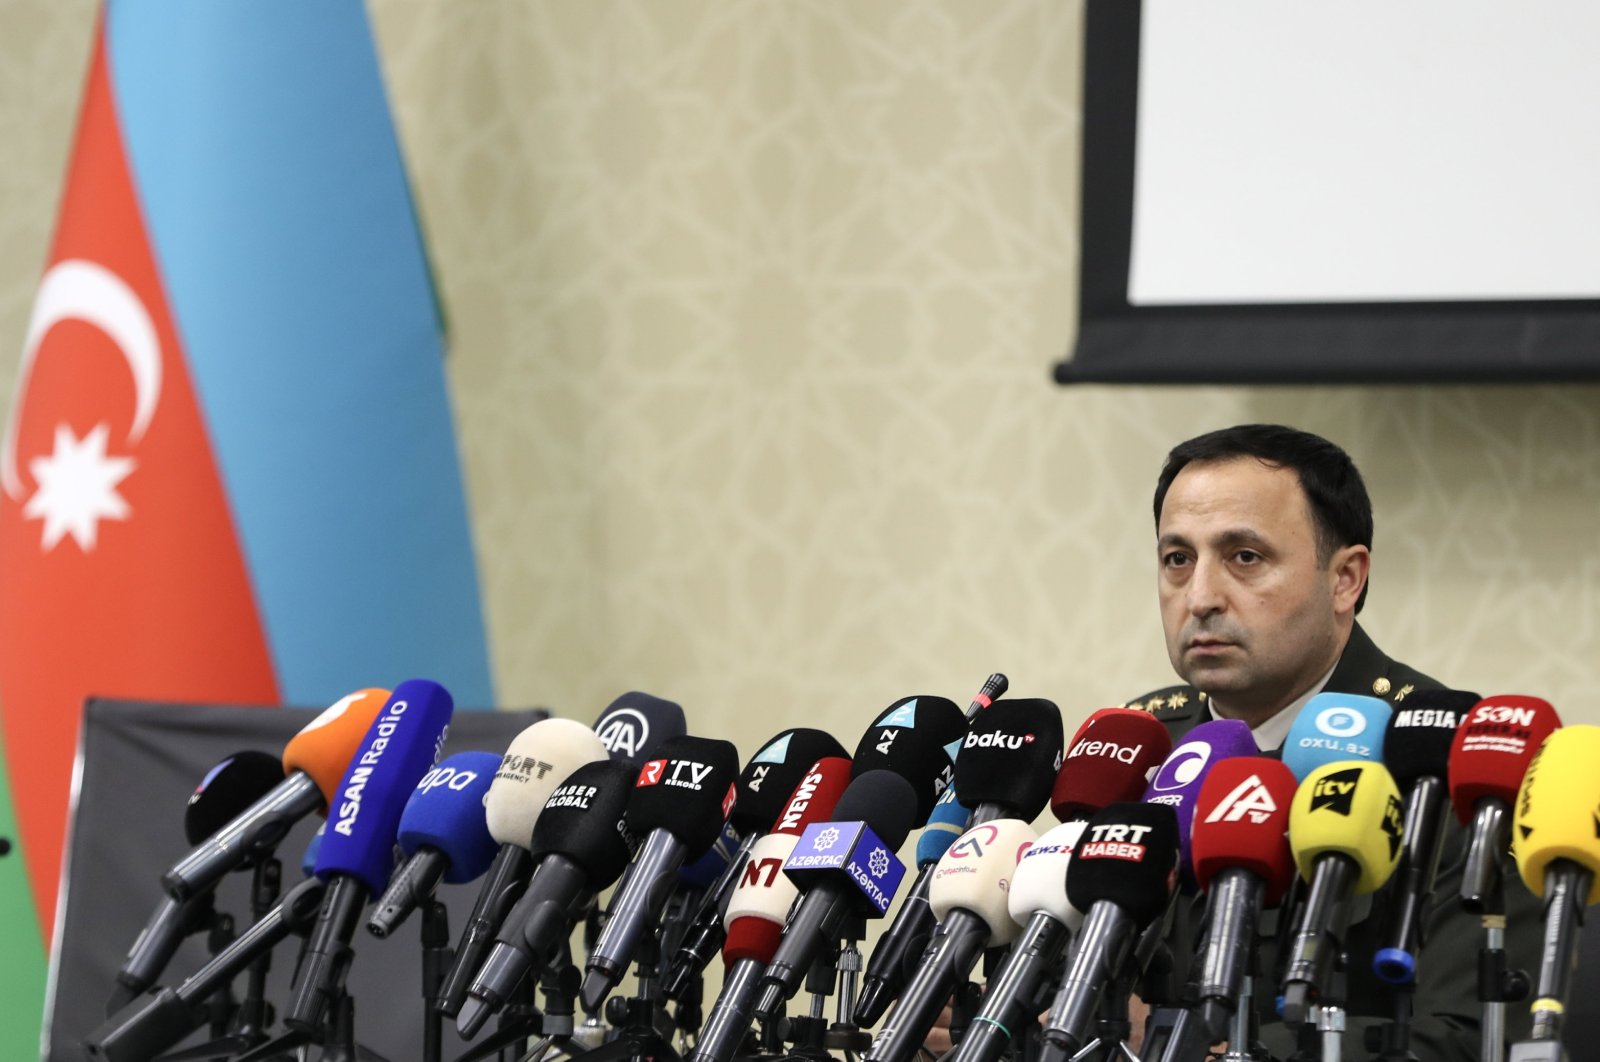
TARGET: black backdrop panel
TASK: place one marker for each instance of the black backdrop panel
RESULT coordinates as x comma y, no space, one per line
140,764
1118,342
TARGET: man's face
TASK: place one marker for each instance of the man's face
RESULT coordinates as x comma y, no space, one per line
1251,616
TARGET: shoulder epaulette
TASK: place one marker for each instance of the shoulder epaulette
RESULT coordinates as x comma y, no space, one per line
1166,701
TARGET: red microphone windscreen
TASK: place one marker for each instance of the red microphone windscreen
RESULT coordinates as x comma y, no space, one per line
813,799
752,938
1241,820
1493,748
1108,761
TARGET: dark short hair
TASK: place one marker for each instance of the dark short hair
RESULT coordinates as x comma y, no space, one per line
1341,512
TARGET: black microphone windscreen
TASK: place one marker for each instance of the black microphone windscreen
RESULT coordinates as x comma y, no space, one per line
883,800
916,738
687,790
769,779
635,726
1128,854
1010,756
583,820
227,790
1421,731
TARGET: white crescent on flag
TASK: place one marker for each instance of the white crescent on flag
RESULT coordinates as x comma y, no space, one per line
77,289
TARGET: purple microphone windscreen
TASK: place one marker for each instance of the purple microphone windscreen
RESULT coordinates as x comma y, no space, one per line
445,811
635,726
228,789
364,818
773,772
1177,781
883,800
1128,854
688,790
1421,732
1010,757
583,821
918,739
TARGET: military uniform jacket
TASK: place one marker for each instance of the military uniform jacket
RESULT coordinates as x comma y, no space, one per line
1445,1024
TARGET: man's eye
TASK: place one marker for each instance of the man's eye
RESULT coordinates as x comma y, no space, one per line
1174,560
1247,556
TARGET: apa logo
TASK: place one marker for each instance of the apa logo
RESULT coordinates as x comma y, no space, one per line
971,846
1182,767
623,731
1336,792
757,775
1392,826
448,777
1250,797
650,773
757,869
1341,722
997,740
1502,714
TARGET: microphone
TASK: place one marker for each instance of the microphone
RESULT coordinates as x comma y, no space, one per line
1345,830
1556,839
917,738
1333,727
1417,751
843,867
582,844
764,789
537,761
1177,783
757,909
226,791
969,897
1489,756
1038,902
149,1025
1005,769
1122,874
678,806
443,834
635,725
1109,762
363,822
314,760
1239,847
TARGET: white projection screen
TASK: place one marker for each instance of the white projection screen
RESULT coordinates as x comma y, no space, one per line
1359,192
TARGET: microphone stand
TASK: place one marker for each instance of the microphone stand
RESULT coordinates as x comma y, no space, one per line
437,956
640,1036
839,968
1498,984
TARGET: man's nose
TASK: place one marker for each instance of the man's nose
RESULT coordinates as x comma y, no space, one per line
1205,589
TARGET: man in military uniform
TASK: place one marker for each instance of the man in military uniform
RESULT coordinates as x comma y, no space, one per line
1264,538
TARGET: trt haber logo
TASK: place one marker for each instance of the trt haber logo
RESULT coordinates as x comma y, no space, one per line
1115,840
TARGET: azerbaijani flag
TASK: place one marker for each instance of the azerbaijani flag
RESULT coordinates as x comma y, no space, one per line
230,473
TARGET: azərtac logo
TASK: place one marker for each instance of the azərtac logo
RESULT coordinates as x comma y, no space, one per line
997,740
1336,792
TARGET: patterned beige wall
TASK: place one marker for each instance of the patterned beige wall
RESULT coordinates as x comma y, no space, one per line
754,306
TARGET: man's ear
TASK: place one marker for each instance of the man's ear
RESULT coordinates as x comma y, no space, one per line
1348,570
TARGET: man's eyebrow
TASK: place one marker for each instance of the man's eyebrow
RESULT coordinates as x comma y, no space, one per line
1233,536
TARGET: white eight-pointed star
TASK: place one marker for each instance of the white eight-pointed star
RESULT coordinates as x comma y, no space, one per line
77,487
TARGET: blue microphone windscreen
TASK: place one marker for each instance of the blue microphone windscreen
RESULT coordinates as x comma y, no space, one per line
702,873
1335,726
308,862
364,817
947,822
446,812
635,726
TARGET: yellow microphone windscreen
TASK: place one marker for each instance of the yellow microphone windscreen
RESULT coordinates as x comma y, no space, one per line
1555,815
1349,808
